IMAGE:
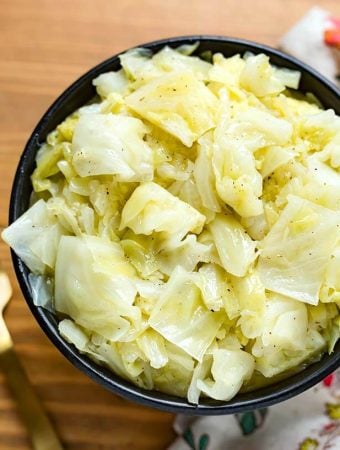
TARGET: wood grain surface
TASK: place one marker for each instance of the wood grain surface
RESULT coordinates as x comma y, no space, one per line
44,46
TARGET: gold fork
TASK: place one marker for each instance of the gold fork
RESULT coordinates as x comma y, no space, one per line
39,427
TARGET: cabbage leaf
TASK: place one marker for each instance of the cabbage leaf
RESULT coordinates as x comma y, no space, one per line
94,285
152,208
230,368
35,237
181,317
179,103
235,248
105,144
295,252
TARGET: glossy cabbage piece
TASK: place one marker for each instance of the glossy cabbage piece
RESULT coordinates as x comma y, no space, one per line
238,183
181,317
179,103
230,368
235,248
204,174
261,78
251,295
108,144
295,253
94,286
111,82
152,208
35,237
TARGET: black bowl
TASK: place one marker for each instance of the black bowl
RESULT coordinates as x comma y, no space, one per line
77,95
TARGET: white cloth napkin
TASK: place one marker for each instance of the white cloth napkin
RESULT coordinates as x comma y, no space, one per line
306,41
310,421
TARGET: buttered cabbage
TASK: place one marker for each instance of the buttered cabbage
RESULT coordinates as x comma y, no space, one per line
185,224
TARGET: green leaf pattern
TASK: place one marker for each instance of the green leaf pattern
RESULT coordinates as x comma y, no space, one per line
203,440
251,420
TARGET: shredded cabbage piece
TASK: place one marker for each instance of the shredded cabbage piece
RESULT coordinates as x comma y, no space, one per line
295,252
184,225
261,78
235,248
152,208
105,144
111,82
181,317
35,238
89,268
230,368
179,103
238,183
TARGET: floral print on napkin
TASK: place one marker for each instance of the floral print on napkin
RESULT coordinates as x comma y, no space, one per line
310,421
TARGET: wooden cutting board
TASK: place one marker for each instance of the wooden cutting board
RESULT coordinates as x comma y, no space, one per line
44,46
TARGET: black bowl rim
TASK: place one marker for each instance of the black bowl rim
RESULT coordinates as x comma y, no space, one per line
100,374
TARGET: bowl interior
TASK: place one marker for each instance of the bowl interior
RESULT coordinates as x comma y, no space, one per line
77,95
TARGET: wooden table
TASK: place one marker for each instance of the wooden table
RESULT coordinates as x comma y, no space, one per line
44,46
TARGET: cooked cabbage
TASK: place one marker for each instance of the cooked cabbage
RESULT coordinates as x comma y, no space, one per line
273,157
181,317
89,268
204,174
229,370
111,82
184,225
152,208
35,238
179,103
227,70
235,248
252,304
295,252
261,78
108,144
238,183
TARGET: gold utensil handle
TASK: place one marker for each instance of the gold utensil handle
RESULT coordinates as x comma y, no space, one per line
40,429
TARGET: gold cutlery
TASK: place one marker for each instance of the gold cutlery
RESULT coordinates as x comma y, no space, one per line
40,430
